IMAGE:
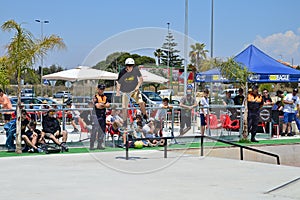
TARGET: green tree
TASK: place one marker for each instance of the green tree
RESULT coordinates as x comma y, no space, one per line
4,73
232,70
170,55
22,51
198,54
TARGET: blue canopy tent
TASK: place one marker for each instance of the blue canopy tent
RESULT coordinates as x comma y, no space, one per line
213,75
264,68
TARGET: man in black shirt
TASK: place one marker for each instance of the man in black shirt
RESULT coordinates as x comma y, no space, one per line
239,99
129,81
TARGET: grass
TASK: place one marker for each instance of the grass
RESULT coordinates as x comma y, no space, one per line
76,148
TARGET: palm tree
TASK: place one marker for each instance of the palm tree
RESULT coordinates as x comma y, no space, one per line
197,54
22,51
158,53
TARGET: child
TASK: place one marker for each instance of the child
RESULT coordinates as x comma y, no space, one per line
31,137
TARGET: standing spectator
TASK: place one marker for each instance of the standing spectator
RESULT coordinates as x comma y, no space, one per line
266,98
52,130
239,99
101,103
290,110
6,104
187,103
161,114
204,104
129,81
254,104
227,101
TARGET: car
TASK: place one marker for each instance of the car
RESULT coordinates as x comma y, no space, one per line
27,93
62,94
50,101
234,92
26,101
151,98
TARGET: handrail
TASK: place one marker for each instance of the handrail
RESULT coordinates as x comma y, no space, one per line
202,149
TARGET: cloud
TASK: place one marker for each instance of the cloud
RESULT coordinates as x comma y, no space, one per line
281,45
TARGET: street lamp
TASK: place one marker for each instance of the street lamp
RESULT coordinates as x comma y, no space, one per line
168,61
42,36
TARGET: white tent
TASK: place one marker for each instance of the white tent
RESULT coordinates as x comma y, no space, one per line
149,77
88,73
81,73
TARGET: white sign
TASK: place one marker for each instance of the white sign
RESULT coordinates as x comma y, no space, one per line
52,83
68,84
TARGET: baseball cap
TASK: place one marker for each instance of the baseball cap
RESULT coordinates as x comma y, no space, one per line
101,86
295,90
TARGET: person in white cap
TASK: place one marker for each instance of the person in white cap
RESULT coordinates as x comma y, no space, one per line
129,81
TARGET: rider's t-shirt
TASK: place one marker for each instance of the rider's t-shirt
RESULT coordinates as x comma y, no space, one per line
129,80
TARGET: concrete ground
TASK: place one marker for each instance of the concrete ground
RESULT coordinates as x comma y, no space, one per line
107,175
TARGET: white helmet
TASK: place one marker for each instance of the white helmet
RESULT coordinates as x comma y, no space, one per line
129,61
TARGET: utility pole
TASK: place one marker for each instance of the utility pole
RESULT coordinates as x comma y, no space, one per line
42,59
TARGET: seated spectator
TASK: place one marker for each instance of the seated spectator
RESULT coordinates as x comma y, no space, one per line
73,116
10,129
138,133
58,112
114,120
151,132
52,130
31,137
33,114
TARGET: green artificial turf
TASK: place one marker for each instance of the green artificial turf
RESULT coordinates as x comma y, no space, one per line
76,148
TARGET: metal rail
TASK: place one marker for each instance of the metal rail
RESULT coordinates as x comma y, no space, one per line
202,146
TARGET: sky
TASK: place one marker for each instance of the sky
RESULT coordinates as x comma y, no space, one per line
89,25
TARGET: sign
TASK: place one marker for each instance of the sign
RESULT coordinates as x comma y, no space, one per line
46,82
68,84
52,83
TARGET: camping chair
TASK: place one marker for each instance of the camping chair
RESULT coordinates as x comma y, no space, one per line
84,130
228,124
213,122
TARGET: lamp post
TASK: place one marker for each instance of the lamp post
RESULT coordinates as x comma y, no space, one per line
42,36
168,61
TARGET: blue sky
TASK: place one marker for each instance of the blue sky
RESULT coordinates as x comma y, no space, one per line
271,25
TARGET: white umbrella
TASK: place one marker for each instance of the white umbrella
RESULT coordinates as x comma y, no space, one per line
81,73
149,77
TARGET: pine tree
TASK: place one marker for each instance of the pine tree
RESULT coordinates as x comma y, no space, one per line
170,55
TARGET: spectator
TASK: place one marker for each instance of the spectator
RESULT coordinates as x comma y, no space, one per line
203,110
31,137
291,106
72,115
266,98
187,103
10,129
161,115
6,104
254,103
227,101
149,131
101,104
52,130
239,99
